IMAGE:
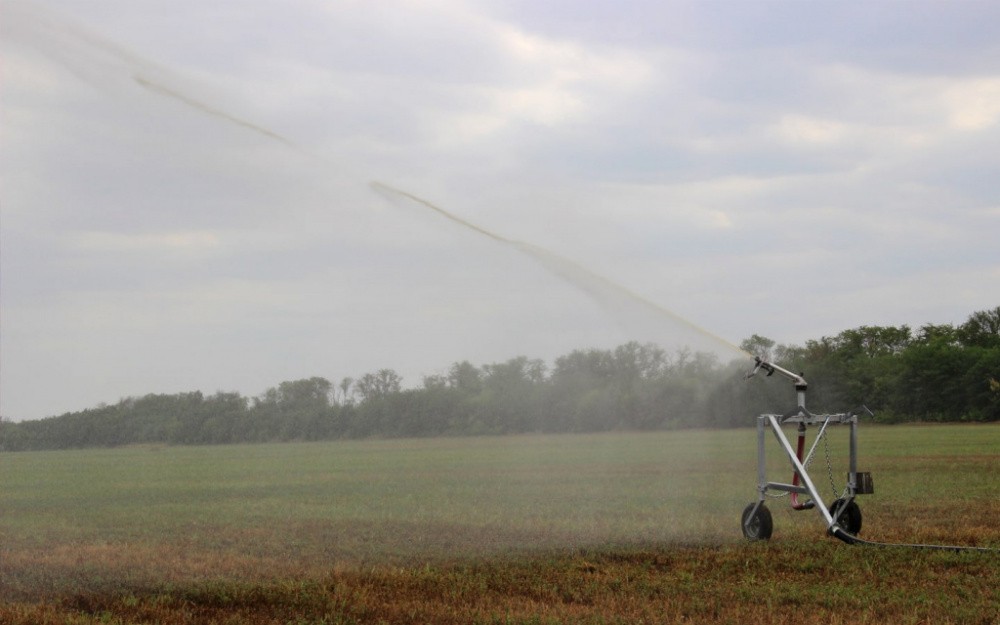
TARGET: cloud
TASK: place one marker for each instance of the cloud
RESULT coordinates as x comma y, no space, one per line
719,160
974,104
185,242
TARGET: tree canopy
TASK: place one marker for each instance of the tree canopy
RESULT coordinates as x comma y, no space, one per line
936,373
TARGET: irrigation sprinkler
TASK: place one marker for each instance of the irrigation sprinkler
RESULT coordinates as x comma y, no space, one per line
841,516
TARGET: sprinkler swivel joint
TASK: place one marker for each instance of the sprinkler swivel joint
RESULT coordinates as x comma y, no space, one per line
762,365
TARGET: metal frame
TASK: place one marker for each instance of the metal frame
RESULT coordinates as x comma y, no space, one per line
803,418
808,487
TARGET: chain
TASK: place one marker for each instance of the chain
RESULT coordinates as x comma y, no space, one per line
829,469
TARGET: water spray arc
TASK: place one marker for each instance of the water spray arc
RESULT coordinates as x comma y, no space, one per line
842,517
614,298
59,38
166,91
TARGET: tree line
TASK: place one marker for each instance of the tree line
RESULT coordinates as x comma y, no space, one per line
935,373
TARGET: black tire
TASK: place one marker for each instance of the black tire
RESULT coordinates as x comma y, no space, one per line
849,519
760,526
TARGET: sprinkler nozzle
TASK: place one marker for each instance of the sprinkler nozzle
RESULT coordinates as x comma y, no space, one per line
797,379
759,363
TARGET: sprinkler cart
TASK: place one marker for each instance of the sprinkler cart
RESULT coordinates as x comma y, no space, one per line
842,516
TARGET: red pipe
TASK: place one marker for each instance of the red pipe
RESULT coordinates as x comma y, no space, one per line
795,478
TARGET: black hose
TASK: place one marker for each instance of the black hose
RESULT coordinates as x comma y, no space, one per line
850,539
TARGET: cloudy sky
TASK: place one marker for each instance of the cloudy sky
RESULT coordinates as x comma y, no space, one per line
187,201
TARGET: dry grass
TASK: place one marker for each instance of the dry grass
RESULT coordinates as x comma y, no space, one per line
815,582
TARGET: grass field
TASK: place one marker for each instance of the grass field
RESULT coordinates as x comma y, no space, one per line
611,528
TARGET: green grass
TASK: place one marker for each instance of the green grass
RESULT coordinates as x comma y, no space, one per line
515,527
613,484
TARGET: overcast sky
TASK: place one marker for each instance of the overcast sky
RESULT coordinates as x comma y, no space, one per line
186,199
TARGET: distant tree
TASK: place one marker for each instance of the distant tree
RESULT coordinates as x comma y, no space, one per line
635,361
936,333
294,410
306,394
759,346
305,408
872,341
930,384
465,377
590,365
434,382
378,385
183,413
12,436
345,390
508,400
982,386
226,419
981,330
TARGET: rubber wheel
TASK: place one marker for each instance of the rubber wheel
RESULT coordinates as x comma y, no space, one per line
760,526
850,519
